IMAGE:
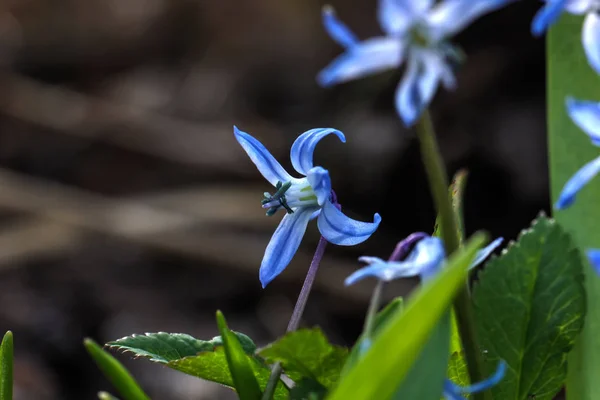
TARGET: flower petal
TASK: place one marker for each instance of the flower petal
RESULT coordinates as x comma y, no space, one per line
284,244
547,15
366,58
486,252
397,16
339,229
267,165
586,114
384,271
452,16
321,184
420,81
590,36
593,256
576,183
338,31
489,382
304,147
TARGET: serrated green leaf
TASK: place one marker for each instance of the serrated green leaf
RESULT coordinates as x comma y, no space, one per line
306,353
242,373
115,372
164,347
457,369
6,367
378,374
529,306
308,389
569,148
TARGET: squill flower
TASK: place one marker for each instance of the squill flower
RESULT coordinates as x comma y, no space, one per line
302,199
590,33
417,33
453,391
593,256
586,115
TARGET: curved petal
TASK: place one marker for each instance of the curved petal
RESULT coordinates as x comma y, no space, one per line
339,229
593,256
384,271
547,15
579,7
576,183
486,252
336,29
586,114
370,260
284,244
321,184
418,85
452,16
304,147
487,383
366,58
397,16
267,165
590,36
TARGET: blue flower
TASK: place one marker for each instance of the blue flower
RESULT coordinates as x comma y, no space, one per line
593,256
453,391
586,115
590,35
303,199
416,32
426,259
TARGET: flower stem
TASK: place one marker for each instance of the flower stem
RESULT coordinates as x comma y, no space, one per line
438,183
297,313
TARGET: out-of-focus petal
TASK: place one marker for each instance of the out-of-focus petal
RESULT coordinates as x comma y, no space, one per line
304,147
453,391
284,244
590,36
593,256
397,16
342,230
486,252
451,16
547,15
267,165
384,271
337,29
586,114
366,58
579,7
320,182
576,183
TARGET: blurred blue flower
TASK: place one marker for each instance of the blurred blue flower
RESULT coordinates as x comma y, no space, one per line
426,259
593,256
453,391
590,34
303,199
586,115
416,32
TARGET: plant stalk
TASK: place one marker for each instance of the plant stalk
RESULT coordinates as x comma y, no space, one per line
438,183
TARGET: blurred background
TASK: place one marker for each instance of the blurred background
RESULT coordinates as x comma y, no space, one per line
127,206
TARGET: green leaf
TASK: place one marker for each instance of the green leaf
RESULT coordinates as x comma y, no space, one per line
164,347
308,389
379,372
425,380
241,370
529,306
569,74
457,369
306,353
6,367
115,372
457,191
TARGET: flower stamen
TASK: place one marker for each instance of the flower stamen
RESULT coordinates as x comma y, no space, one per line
276,201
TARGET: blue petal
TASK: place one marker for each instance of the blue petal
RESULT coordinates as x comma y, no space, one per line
368,57
304,147
489,382
397,16
577,182
337,29
591,40
321,184
420,81
593,256
452,16
485,252
586,114
284,244
339,229
267,165
547,16
451,391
